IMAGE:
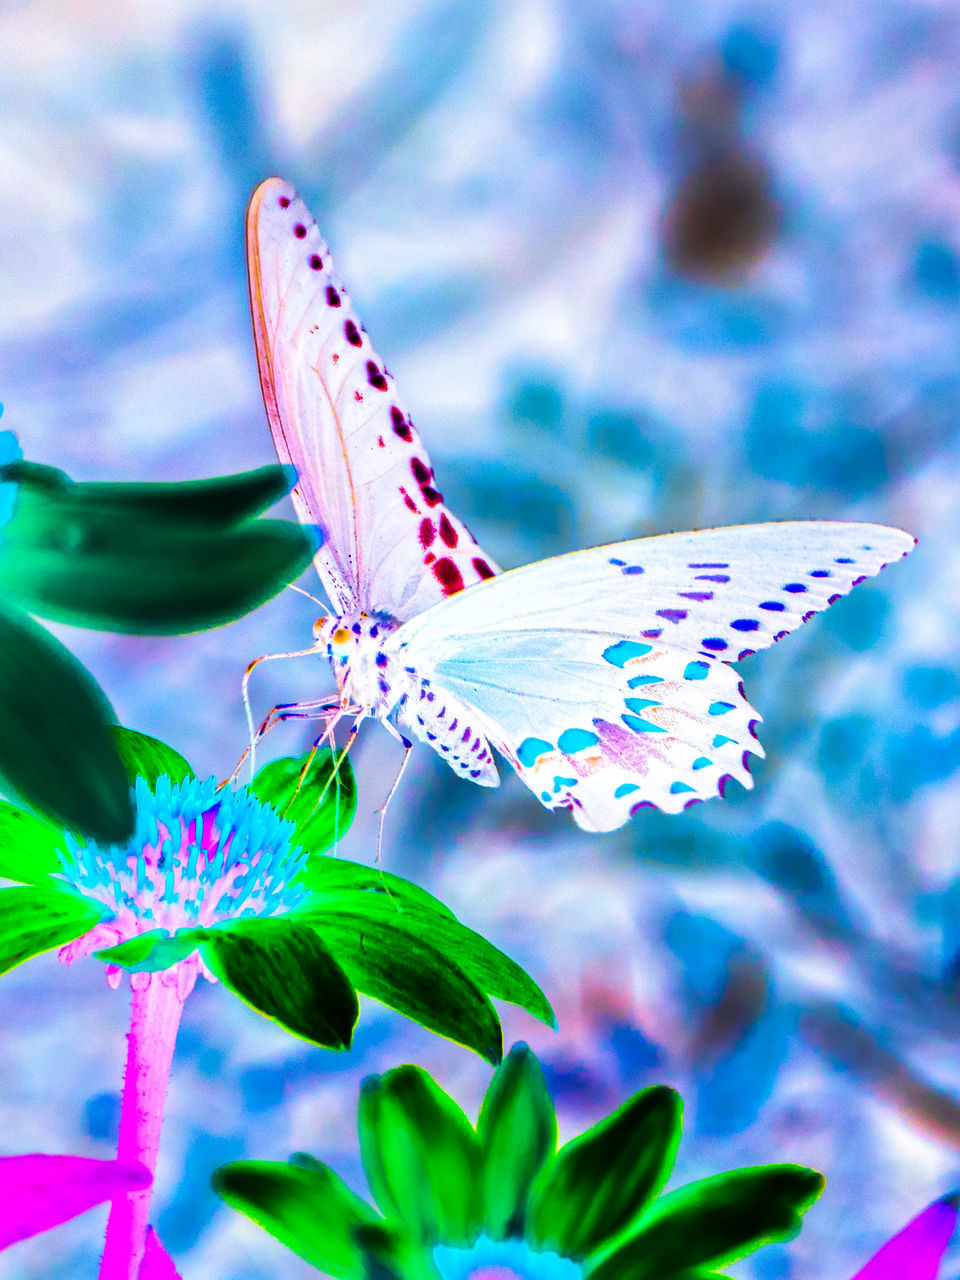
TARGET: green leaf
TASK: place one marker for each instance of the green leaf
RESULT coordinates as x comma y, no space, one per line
281,969
29,847
397,958
322,805
56,750
149,758
304,1206
330,878
149,952
220,502
101,571
713,1222
421,1156
518,1133
33,920
602,1180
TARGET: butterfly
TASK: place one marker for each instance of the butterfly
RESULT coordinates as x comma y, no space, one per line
604,677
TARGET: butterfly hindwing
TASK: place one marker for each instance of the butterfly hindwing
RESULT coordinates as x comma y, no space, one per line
390,544
604,676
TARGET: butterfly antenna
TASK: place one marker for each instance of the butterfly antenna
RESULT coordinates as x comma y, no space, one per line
320,603
256,735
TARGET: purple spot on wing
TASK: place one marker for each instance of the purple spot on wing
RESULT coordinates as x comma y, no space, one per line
724,783
819,573
691,803
745,653
352,334
833,599
856,582
708,566
795,587
714,642
776,606
745,624
713,577
652,635
672,615
843,560
696,595
333,298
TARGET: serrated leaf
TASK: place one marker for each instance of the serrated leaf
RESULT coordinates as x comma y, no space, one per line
149,952
395,959
144,578
605,1178
33,920
281,969
306,1207
56,750
311,791
517,1128
713,1222
29,847
149,758
421,1156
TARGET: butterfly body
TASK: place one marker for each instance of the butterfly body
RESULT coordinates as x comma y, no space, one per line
604,677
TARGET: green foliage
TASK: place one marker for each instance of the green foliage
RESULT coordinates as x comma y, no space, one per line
149,758
421,1156
603,1180
424,964
710,1223
56,748
33,920
305,1206
281,969
312,792
29,847
518,1134
149,952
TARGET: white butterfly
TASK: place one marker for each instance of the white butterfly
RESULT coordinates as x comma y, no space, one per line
604,677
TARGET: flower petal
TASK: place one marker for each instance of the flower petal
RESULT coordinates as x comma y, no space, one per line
604,1179
156,1263
915,1252
517,1128
41,1191
33,920
712,1222
281,969
305,1206
421,1156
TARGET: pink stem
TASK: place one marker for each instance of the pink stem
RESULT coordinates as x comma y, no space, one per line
154,1020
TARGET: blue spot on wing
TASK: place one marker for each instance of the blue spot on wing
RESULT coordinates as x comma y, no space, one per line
677,787
641,726
619,654
696,671
531,749
637,681
576,740
702,762
625,789
641,704
719,740
719,708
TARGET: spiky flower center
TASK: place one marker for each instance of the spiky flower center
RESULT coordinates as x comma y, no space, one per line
199,856
490,1259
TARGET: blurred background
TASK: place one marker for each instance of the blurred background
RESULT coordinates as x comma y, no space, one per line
636,268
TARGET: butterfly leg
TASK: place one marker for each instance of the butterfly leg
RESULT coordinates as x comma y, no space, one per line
316,709
382,811
245,694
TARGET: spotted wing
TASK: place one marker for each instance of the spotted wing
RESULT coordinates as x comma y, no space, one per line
604,676
390,544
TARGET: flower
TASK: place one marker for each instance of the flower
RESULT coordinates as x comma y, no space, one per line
39,1192
233,885
498,1201
915,1253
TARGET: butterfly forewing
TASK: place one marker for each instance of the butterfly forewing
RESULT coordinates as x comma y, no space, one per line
604,675
390,544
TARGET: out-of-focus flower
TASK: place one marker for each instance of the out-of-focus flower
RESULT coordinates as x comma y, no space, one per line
41,1191
499,1200
915,1253
140,558
232,884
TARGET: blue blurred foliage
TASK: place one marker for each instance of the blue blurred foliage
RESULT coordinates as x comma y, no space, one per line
495,181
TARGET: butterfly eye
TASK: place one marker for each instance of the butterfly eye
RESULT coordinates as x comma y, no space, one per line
341,635
318,626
